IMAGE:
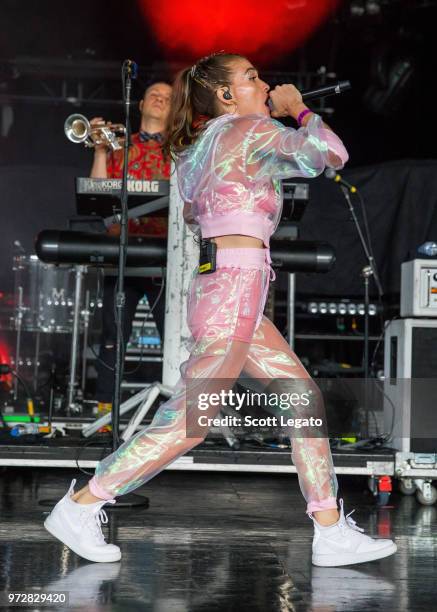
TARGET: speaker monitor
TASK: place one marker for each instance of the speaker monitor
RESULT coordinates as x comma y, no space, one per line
410,385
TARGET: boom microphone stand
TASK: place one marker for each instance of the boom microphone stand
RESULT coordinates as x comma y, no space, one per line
367,272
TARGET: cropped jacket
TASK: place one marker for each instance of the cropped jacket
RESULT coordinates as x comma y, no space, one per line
230,178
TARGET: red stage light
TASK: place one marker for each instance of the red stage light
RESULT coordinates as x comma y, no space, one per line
189,29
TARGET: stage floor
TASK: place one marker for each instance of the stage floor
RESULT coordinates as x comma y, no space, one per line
216,542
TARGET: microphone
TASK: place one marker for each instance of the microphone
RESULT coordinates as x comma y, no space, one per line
332,174
321,92
328,90
131,68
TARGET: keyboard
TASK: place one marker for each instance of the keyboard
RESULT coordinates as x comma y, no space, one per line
101,197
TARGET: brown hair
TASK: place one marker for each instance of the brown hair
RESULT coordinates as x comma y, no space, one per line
194,100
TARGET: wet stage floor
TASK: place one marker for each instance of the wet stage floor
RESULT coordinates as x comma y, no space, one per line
216,542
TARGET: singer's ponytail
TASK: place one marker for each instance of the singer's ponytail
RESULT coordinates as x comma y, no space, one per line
194,99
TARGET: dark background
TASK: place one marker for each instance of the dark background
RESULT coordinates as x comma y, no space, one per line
52,54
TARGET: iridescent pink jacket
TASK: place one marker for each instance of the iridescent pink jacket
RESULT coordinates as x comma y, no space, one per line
230,177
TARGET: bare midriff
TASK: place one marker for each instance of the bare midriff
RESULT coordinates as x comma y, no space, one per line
237,241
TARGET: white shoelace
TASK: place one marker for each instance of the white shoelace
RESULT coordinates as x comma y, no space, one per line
348,520
352,524
94,521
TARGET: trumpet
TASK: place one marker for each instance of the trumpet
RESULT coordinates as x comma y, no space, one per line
77,128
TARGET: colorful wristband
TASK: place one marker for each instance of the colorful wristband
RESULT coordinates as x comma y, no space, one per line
303,114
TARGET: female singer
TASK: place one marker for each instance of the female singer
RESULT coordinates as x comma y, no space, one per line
230,157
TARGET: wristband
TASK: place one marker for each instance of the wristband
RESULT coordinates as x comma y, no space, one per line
303,114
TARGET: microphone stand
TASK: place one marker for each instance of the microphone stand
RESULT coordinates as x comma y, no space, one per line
367,272
120,297
129,72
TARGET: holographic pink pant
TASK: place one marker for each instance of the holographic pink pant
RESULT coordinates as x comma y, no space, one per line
230,337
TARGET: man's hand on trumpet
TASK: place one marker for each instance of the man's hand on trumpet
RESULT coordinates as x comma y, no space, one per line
98,169
98,146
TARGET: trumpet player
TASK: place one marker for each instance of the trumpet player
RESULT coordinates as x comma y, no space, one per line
146,161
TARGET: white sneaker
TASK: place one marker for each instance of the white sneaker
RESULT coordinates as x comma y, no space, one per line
78,526
344,543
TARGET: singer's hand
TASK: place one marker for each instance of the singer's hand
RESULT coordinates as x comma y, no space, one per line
287,101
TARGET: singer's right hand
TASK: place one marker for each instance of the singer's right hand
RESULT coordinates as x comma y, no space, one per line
287,101
96,121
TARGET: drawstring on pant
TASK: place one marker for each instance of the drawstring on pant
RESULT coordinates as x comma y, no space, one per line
271,276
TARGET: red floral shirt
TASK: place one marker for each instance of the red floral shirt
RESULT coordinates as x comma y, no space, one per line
146,162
